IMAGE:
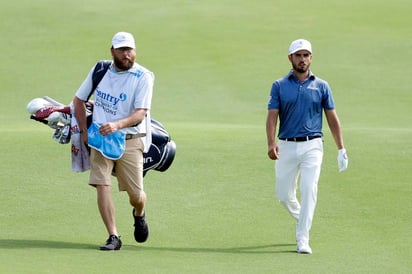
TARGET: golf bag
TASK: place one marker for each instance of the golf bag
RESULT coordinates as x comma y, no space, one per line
48,111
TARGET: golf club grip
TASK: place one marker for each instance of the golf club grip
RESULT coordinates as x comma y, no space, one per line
38,120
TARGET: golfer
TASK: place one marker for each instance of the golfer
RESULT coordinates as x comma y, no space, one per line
122,102
298,100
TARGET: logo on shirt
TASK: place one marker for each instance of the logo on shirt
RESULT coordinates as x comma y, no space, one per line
109,98
137,73
108,102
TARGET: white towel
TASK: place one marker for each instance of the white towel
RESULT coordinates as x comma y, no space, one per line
80,153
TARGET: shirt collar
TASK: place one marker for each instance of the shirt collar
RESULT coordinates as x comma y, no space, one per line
120,72
310,77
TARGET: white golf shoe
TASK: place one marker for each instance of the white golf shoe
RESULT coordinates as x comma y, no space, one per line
303,247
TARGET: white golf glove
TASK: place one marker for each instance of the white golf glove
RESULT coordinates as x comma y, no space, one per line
342,160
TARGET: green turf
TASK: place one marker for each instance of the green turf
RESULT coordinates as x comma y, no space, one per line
214,210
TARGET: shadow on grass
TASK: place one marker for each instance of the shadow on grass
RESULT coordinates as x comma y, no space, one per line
258,249
22,243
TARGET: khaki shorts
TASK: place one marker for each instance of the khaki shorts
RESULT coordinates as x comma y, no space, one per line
128,169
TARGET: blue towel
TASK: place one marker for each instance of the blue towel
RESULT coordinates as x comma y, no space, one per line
112,146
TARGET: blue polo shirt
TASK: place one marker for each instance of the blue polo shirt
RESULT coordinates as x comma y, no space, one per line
300,105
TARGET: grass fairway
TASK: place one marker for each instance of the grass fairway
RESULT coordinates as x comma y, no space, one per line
214,210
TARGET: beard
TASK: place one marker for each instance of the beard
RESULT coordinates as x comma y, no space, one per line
123,64
301,67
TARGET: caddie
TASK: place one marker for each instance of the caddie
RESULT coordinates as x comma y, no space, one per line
121,115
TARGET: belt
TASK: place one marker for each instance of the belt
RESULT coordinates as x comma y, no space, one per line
300,139
133,136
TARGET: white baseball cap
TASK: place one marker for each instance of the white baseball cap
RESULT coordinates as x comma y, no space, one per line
300,44
123,40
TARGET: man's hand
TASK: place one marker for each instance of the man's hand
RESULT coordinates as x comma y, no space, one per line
273,152
109,128
342,160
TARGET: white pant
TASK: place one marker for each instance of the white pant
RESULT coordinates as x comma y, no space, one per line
304,160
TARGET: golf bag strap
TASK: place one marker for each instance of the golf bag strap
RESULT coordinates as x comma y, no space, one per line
99,71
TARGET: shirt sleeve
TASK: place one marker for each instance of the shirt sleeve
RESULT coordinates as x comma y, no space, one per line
145,91
85,88
274,97
327,100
